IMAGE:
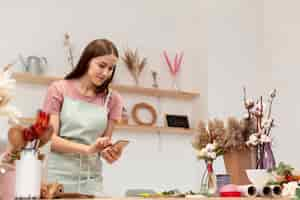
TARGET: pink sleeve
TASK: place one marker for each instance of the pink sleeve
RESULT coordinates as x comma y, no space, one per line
54,98
115,106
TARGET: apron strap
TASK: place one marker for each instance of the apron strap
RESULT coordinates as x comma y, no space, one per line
107,98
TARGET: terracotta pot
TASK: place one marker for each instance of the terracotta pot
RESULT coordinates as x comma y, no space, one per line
237,161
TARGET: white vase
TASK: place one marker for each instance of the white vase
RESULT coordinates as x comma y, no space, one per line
28,175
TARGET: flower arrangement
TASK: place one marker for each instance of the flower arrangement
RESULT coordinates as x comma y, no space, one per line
174,67
260,115
32,137
251,131
247,140
287,177
19,136
134,64
208,149
7,86
207,140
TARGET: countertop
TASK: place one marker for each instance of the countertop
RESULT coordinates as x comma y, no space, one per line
193,198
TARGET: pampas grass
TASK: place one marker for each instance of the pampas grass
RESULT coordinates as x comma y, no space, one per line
134,63
229,136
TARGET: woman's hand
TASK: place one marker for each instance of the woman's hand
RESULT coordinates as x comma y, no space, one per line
111,153
99,145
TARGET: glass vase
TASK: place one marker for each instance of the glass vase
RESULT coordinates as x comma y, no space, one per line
175,85
208,180
266,157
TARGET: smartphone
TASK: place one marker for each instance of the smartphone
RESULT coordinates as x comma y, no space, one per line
121,143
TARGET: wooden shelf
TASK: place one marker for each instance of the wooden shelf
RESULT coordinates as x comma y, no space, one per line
136,128
35,79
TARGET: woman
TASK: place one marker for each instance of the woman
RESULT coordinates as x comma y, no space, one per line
83,112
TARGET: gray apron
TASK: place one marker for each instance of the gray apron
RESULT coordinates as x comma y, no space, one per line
81,122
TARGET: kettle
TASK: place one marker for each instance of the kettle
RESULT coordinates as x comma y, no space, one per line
34,64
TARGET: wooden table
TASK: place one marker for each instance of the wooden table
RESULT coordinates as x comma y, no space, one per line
165,198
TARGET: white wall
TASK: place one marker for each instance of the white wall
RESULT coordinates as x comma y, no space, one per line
255,43
282,43
160,162
234,37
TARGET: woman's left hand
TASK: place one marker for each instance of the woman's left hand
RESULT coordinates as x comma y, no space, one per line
111,154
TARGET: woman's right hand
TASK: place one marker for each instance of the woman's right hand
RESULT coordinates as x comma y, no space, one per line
99,145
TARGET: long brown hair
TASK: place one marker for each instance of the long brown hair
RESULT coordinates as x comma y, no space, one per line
99,47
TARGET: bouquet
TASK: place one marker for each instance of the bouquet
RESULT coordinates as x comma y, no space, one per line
174,67
207,140
134,63
32,137
259,115
208,149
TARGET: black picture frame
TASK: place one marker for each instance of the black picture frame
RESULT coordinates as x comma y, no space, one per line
177,121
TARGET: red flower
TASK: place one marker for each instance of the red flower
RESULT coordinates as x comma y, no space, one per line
36,130
29,134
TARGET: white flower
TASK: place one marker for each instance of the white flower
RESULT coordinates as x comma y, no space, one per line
289,189
267,123
7,84
272,94
210,147
249,103
253,140
212,155
265,139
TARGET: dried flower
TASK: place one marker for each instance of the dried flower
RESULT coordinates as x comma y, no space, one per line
134,64
205,141
209,152
68,45
7,84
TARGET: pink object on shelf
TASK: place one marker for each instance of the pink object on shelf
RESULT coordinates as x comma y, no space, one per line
178,63
7,185
168,62
174,69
